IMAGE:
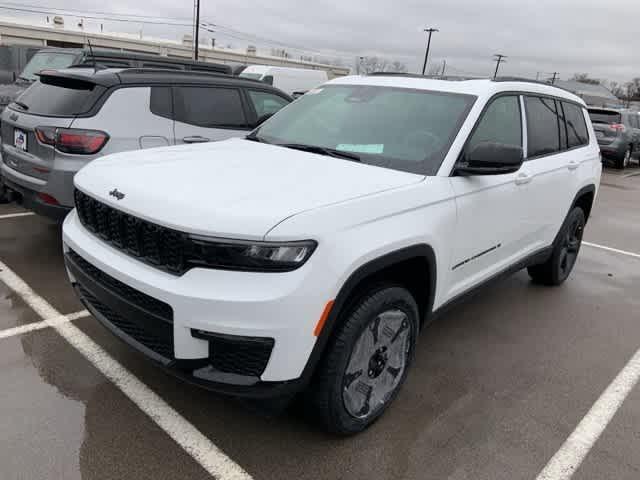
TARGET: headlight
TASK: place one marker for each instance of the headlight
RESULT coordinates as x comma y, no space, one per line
249,256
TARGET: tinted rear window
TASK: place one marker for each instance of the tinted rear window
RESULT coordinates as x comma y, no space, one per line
209,107
604,116
61,100
542,126
576,125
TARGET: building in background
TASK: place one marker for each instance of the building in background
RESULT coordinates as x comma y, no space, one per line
19,40
594,95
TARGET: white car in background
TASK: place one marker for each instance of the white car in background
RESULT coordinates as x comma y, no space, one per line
310,255
294,81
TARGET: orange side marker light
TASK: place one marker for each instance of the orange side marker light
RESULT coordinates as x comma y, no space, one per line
323,318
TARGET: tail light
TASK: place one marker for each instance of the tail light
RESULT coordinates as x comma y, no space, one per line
618,127
72,140
46,135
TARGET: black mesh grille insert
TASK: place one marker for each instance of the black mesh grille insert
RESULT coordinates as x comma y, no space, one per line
139,299
158,343
239,355
159,246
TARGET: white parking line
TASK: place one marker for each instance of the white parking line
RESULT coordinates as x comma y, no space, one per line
614,250
15,215
210,457
566,461
30,327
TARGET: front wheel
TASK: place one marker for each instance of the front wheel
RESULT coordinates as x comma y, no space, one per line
565,252
366,361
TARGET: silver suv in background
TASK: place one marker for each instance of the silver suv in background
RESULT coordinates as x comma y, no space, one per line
618,134
70,117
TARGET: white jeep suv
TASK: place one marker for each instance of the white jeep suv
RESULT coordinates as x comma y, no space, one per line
310,254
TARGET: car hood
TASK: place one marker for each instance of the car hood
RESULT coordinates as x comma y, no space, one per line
234,188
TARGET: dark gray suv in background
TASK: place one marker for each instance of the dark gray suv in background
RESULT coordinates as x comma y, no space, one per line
69,117
618,134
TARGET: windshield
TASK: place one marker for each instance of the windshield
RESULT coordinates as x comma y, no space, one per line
398,128
46,60
252,76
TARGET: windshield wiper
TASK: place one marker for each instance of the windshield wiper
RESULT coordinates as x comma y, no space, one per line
330,152
22,105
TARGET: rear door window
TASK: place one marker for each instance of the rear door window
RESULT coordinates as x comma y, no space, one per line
266,103
59,98
209,107
577,134
543,134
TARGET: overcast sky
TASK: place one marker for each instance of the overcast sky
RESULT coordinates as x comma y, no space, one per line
599,37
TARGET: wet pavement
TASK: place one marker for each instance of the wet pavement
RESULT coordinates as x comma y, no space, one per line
498,384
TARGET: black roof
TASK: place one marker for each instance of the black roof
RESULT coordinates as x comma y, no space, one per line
148,76
86,55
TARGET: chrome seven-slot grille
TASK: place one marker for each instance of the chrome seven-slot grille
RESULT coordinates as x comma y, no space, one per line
158,246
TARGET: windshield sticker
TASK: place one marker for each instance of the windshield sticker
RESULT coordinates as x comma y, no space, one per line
368,148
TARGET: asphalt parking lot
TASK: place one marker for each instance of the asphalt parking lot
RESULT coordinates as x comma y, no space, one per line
499,383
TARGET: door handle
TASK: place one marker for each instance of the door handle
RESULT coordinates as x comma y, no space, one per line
523,179
196,139
573,165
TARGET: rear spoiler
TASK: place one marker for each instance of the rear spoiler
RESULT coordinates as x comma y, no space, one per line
76,81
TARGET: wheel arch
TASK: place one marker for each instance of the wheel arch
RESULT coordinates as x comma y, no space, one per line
420,256
584,199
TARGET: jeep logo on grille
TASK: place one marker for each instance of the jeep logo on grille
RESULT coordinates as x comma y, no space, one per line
117,194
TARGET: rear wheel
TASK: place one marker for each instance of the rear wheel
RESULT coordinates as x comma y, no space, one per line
5,196
565,252
623,162
367,361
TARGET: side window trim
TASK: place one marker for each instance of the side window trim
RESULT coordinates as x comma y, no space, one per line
525,129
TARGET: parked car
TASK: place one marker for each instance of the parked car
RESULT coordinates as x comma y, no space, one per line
59,58
294,81
70,117
310,254
618,133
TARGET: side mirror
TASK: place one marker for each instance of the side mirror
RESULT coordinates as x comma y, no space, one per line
491,158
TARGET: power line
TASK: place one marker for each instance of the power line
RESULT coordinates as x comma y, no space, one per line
78,15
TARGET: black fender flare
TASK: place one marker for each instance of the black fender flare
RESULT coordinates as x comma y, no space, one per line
349,287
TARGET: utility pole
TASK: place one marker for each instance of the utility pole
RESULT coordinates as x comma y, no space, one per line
555,76
444,66
197,32
426,55
498,58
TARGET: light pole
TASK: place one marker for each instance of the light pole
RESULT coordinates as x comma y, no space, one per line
498,58
197,32
426,55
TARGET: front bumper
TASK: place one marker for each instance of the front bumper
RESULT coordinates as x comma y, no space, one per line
206,305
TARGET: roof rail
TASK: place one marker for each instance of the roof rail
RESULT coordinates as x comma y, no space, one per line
159,70
452,78
529,80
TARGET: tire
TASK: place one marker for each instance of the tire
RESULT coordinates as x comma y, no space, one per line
5,196
366,361
565,252
623,162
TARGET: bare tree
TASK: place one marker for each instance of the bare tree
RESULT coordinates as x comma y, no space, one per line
584,78
378,64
